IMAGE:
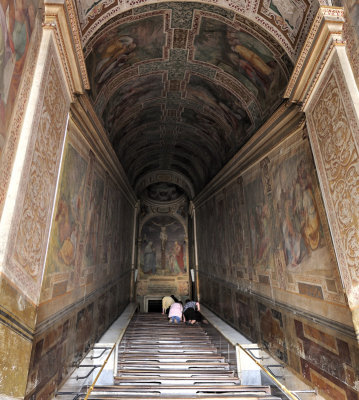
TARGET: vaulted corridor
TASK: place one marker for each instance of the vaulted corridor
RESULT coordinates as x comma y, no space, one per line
207,150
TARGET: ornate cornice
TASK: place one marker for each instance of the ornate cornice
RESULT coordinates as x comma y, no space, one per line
68,44
326,32
76,34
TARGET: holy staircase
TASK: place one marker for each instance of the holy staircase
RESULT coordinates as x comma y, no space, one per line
158,360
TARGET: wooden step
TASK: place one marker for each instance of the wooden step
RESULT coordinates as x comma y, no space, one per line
157,360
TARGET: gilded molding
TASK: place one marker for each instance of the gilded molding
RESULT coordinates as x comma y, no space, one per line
326,30
76,33
73,65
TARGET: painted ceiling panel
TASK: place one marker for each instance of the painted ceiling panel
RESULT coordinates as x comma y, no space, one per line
124,46
182,86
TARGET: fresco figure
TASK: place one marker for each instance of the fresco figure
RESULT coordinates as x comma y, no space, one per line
67,233
300,225
163,247
178,250
311,225
149,259
113,54
17,23
163,238
289,11
292,238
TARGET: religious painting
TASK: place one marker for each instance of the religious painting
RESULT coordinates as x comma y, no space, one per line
127,97
88,9
207,240
111,221
124,46
93,221
260,225
163,250
287,15
244,57
163,191
17,24
299,229
68,216
235,221
221,103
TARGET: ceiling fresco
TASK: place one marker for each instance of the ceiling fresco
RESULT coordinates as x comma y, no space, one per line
181,87
163,192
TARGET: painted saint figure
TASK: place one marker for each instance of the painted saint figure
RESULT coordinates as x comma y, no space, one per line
178,250
163,238
149,259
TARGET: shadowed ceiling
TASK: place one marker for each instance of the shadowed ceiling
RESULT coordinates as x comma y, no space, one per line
181,86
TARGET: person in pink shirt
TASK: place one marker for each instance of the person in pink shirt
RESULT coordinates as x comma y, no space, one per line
175,314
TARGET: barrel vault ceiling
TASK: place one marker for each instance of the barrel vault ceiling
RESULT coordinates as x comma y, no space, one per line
181,86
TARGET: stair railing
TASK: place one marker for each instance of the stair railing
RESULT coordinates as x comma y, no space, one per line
114,347
248,351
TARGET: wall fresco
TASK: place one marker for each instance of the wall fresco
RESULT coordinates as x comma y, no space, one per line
265,235
68,220
89,258
351,35
260,224
297,205
17,24
275,234
94,222
163,247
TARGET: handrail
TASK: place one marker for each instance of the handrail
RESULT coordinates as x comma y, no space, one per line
291,395
105,362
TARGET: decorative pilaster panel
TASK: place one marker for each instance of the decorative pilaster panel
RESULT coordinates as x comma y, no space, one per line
333,129
26,216
25,256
